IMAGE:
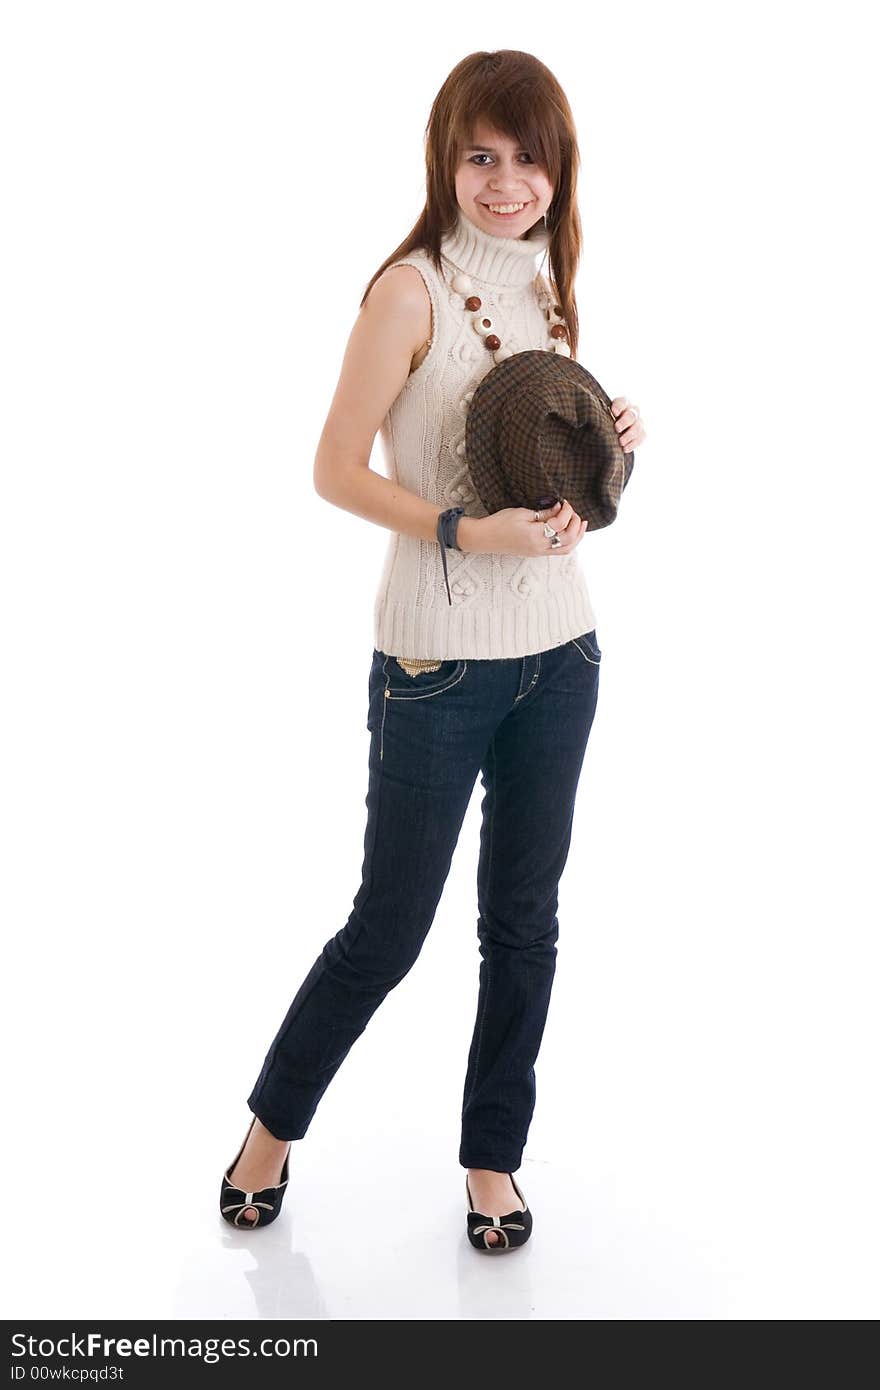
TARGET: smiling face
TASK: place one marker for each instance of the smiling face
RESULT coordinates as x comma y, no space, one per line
494,172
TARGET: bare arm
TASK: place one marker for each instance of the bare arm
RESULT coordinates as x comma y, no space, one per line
393,323
389,329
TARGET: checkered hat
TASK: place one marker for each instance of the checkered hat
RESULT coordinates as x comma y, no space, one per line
539,427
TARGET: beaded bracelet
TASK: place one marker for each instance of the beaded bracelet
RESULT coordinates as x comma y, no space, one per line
447,534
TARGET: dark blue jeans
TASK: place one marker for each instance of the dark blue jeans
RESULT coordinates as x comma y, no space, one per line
523,723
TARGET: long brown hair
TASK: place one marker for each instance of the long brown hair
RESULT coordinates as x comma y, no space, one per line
517,95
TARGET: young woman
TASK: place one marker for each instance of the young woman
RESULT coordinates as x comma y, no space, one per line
487,665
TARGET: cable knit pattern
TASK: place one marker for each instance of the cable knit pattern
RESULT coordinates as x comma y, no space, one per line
502,605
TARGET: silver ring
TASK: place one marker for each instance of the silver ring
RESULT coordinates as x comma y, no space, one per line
548,530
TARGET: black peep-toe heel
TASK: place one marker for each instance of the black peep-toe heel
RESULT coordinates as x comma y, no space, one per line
514,1228
234,1201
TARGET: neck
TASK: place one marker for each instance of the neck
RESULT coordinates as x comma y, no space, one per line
496,260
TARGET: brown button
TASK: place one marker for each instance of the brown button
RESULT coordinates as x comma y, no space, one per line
473,301
559,330
493,341
557,309
487,323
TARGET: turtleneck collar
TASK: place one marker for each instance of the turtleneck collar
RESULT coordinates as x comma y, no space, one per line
497,260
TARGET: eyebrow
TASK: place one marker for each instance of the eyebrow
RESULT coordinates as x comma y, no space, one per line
487,149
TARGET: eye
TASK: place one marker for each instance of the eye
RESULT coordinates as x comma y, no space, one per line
487,156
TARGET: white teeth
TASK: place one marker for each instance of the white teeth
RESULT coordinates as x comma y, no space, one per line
505,207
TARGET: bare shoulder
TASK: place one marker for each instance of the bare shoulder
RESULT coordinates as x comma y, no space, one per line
388,334
401,292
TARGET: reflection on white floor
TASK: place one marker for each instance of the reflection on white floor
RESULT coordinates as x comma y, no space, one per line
366,1236
367,1245
703,1146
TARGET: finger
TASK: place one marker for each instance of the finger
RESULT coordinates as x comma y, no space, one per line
537,516
630,438
568,539
559,517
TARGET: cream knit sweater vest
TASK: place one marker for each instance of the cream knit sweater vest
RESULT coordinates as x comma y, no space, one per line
502,605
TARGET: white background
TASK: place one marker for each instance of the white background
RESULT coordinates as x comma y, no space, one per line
195,198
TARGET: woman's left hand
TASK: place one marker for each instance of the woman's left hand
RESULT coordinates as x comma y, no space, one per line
628,423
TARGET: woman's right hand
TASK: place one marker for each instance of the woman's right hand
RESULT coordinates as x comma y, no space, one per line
514,531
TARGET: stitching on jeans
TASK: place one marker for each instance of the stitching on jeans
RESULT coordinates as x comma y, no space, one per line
521,692
429,694
534,678
384,708
593,660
